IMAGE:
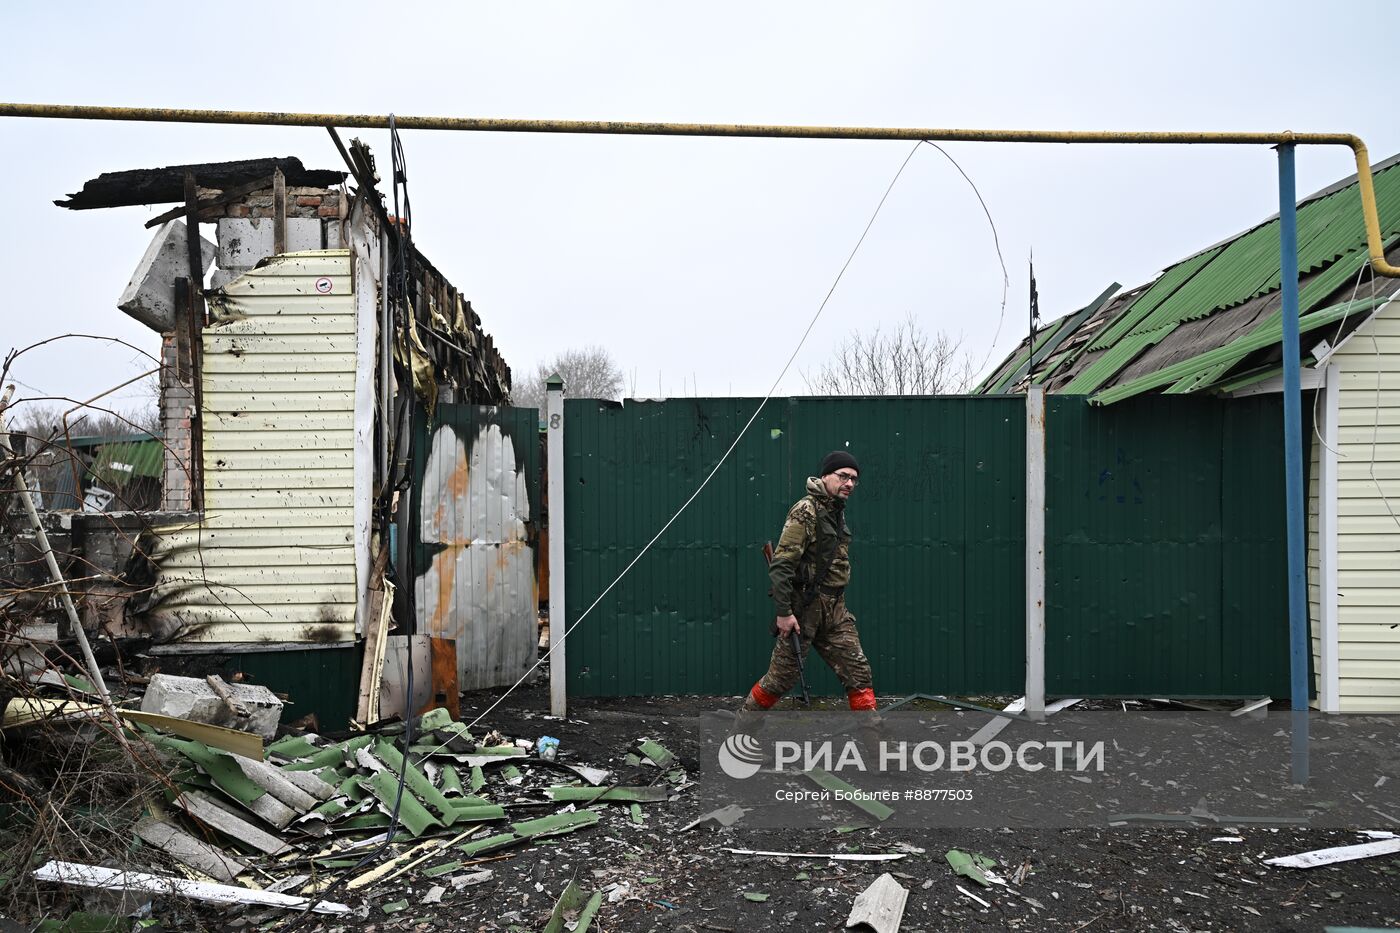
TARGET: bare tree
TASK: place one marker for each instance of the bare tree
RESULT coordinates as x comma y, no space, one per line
589,372
902,361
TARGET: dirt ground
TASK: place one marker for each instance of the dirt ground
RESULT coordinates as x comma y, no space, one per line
1131,878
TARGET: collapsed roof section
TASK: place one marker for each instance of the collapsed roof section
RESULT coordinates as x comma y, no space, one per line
272,206
1211,322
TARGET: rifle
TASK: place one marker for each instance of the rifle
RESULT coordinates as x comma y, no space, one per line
796,640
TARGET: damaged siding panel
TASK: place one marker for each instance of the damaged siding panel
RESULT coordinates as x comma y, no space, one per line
274,559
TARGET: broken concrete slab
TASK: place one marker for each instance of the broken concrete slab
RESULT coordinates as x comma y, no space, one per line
193,699
880,907
186,849
150,295
210,814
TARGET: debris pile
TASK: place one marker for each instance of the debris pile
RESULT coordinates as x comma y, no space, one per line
308,822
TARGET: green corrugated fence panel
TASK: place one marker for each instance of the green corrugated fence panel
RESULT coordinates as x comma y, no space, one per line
693,615
1165,548
1155,538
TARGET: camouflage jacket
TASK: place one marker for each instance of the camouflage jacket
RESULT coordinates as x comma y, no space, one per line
814,530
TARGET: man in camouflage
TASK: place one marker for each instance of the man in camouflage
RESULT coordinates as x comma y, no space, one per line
809,573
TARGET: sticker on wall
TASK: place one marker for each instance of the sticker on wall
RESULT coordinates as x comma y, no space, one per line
323,285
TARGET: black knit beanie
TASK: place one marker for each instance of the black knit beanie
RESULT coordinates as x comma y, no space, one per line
836,460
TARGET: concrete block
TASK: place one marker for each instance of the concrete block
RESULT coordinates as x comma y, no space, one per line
246,241
192,698
150,295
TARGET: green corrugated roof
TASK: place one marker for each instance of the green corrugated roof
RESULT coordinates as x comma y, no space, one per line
1021,360
1331,238
1148,301
124,461
1265,334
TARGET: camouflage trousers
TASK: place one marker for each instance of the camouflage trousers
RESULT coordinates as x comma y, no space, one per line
830,628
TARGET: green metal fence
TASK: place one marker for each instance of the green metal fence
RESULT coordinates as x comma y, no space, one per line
1164,543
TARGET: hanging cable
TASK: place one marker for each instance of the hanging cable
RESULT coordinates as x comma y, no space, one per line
723,457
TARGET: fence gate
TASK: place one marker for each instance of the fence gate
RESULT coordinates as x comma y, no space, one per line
475,513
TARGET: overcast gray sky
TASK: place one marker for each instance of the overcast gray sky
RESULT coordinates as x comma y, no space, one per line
696,262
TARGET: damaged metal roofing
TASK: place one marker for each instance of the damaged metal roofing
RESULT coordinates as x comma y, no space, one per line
1211,321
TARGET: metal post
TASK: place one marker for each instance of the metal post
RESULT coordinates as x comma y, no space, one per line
558,615
1293,462
1035,551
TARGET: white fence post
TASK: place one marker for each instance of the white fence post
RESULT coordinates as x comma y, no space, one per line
558,617
1035,550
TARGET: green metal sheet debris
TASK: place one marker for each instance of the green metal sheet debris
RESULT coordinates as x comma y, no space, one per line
477,813
489,844
442,869
556,825
970,865
568,794
478,779
332,755
451,782
293,747
636,813
363,821
417,782
574,910
757,897
394,907
434,719
656,753
221,767
412,813
850,793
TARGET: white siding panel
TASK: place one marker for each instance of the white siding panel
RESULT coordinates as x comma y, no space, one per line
1368,536
224,360
288,424
269,480
274,560
269,399
238,460
278,440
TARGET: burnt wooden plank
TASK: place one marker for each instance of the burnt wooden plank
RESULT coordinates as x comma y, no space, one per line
224,197
279,213
166,185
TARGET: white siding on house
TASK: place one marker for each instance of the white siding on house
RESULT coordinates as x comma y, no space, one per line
274,560
1368,534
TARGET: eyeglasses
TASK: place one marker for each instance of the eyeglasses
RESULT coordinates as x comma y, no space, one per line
848,478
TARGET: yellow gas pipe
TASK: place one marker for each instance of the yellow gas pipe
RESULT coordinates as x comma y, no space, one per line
488,125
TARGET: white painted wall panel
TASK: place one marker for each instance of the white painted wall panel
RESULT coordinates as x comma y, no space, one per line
1368,539
274,559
